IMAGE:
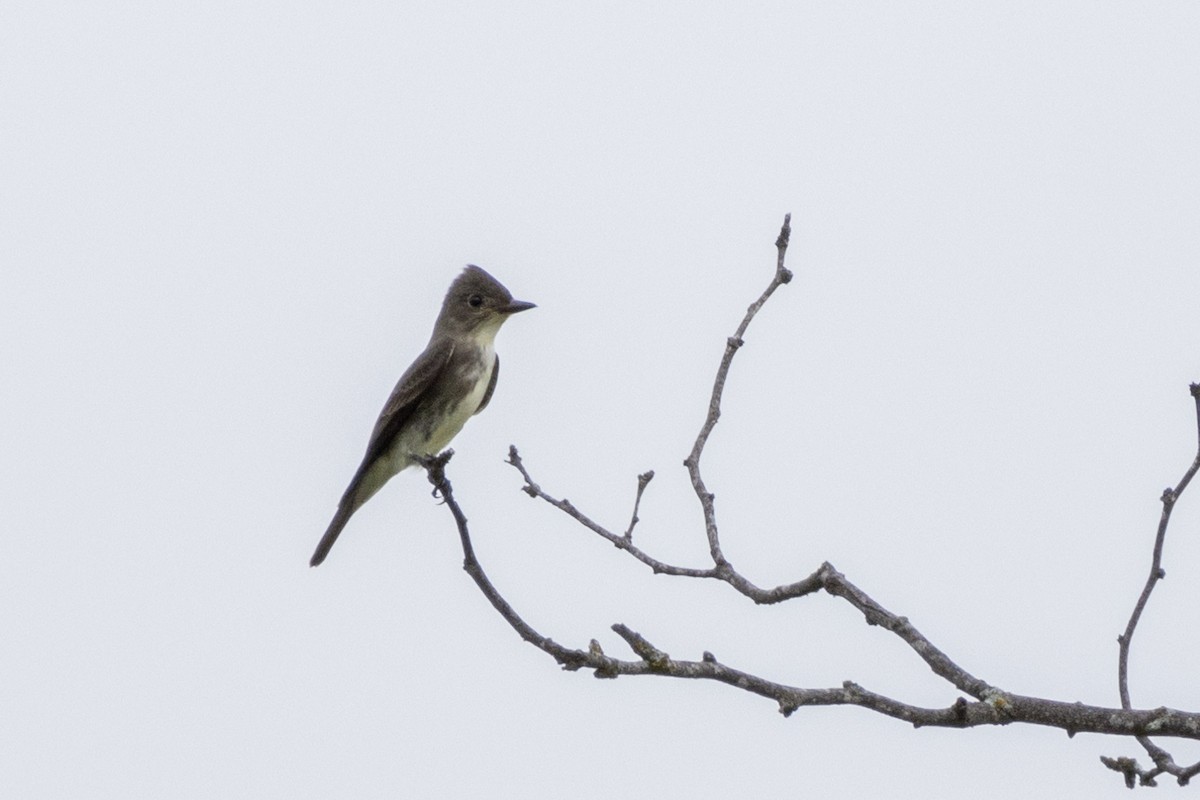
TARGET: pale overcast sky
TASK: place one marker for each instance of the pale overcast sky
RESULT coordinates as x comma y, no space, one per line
225,231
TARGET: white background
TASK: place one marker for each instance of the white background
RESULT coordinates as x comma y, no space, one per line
226,230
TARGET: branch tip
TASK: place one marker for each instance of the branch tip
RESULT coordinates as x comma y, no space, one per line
785,233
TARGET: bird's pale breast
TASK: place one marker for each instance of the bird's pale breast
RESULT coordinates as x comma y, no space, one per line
442,416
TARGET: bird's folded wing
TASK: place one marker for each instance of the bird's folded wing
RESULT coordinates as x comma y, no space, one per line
410,389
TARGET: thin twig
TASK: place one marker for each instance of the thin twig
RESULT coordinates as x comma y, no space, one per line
621,542
1164,761
643,481
732,345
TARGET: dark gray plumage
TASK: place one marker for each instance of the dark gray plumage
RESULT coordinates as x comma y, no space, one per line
453,379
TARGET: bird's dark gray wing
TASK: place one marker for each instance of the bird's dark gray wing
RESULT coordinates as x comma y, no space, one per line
491,386
413,384
409,390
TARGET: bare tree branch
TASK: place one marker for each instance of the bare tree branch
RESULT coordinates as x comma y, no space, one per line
990,705
997,708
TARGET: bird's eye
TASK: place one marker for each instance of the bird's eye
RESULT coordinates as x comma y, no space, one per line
475,300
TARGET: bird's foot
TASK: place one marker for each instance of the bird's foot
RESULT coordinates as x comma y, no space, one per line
436,467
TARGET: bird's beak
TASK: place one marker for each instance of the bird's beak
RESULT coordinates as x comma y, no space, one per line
514,306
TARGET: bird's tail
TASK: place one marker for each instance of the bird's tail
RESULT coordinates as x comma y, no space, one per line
331,533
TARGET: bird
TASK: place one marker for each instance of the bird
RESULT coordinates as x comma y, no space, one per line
450,381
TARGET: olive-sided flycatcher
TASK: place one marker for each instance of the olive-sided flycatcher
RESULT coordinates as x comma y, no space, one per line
448,383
